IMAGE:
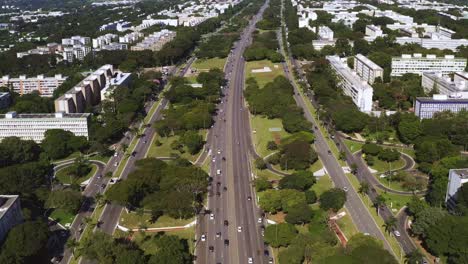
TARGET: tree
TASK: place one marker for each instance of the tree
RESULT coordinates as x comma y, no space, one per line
13,150
409,130
333,199
262,184
371,149
427,217
366,249
291,255
311,196
271,145
66,199
416,205
171,250
26,243
390,224
260,164
364,188
389,155
379,201
270,201
299,214
300,180
280,235
193,141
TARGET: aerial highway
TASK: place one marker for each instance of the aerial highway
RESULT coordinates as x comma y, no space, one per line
229,231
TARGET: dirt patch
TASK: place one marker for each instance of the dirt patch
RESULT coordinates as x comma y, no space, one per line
276,138
278,217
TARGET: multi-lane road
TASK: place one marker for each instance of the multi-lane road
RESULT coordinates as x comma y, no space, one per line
231,229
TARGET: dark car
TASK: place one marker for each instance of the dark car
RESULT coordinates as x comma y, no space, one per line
226,222
211,248
226,242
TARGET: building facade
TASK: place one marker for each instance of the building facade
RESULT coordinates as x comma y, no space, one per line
443,84
426,107
457,177
155,41
44,85
359,91
418,64
5,100
34,126
10,214
367,69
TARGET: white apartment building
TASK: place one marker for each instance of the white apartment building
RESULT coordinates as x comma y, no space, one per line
426,107
44,85
155,41
76,40
116,25
457,177
146,23
103,40
374,31
325,33
131,37
10,214
367,69
451,44
444,84
352,86
394,15
418,64
34,126
347,18
321,43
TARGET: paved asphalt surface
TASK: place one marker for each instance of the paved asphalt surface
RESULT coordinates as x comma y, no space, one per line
229,145
110,216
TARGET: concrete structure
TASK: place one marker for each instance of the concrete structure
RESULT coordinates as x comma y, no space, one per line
319,44
347,18
418,64
5,100
116,25
10,214
359,91
444,84
103,40
457,177
374,31
44,85
394,15
367,69
155,41
33,126
120,79
76,40
426,107
131,37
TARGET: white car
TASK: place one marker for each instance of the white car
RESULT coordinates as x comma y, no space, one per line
250,260
218,172
397,234
345,189
203,238
213,160
239,229
260,220
116,154
211,216
219,151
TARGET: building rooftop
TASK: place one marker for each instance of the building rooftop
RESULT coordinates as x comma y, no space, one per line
14,115
463,173
5,203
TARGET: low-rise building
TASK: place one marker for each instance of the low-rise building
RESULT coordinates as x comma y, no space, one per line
418,64
457,177
351,84
429,43
321,43
10,214
367,69
426,107
325,33
431,81
44,85
34,126
374,31
155,41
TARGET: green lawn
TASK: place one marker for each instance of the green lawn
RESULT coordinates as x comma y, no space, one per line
346,225
270,175
132,220
323,183
149,248
353,145
165,149
62,175
313,168
382,166
62,216
261,134
71,156
263,77
395,201
207,64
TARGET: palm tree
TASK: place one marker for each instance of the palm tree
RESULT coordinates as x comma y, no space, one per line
72,244
354,168
390,224
414,257
364,188
379,202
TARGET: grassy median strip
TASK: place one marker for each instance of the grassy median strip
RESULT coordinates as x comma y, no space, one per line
272,70
134,220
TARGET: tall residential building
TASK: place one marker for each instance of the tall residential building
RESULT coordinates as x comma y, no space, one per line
10,214
44,85
367,69
34,126
426,107
359,91
444,84
5,100
457,177
418,64
88,92
429,43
